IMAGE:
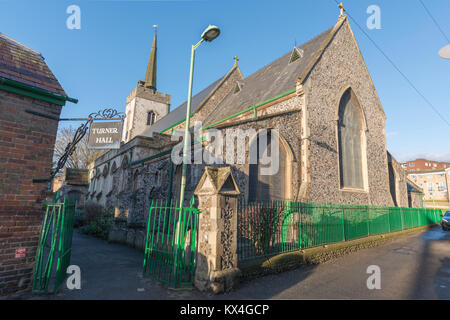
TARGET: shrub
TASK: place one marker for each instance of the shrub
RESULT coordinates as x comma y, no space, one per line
92,212
260,225
97,221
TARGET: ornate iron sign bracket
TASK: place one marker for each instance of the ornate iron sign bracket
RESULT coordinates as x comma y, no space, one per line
101,115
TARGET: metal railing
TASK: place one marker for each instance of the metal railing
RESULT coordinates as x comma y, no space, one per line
171,243
268,228
55,246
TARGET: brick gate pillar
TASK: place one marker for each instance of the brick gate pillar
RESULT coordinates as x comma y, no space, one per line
216,268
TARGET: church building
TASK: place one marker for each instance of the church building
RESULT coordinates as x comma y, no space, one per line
319,96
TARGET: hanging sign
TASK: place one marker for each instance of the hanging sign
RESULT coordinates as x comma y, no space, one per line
105,135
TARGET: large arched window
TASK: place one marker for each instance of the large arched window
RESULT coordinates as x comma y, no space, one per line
351,142
268,186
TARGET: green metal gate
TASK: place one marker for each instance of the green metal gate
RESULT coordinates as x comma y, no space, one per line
171,243
55,246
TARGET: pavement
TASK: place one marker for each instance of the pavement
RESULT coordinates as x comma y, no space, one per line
415,266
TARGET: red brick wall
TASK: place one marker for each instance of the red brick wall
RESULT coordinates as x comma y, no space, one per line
26,150
419,165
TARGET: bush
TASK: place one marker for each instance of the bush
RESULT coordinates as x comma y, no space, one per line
97,221
92,212
260,225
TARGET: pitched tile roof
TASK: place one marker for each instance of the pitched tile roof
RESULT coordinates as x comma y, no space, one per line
179,113
27,66
272,80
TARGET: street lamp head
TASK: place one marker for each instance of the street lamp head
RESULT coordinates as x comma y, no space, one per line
445,52
210,33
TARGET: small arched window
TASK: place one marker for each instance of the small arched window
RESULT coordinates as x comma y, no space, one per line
151,118
351,141
113,168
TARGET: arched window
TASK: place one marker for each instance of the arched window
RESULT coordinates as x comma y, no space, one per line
113,168
351,141
267,186
123,174
151,117
136,180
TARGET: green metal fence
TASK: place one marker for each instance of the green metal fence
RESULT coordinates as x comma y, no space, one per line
171,243
271,227
55,246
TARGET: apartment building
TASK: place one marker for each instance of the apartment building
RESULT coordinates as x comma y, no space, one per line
419,165
435,184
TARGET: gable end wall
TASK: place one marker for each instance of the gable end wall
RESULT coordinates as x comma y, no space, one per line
342,66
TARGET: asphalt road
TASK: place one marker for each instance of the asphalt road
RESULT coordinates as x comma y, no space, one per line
413,267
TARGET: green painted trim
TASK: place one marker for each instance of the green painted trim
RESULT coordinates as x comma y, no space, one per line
174,125
240,112
151,157
33,92
164,153
211,125
251,108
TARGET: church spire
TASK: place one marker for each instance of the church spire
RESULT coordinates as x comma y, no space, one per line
150,75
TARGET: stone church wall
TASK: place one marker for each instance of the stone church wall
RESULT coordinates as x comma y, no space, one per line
415,200
285,117
342,66
222,90
132,202
312,150
398,183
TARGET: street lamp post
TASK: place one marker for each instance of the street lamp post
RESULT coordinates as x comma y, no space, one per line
210,33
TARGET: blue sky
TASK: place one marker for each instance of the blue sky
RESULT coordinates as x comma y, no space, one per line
101,63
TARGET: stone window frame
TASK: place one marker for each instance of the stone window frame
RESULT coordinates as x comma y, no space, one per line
113,168
123,174
105,170
98,174
136,181
364,168
290,159
124,163
151,117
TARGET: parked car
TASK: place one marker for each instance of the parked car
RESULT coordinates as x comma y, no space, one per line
445,223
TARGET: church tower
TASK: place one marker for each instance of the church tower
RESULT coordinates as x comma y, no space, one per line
145,105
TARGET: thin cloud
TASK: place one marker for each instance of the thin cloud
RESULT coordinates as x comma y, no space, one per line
391,134
442,157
